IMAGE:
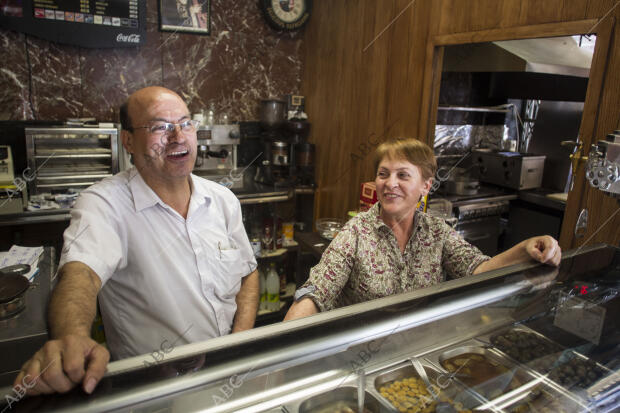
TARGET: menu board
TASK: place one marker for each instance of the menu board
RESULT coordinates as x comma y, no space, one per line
88,23
109,13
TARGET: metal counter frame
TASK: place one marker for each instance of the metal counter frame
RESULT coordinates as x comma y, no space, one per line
278,363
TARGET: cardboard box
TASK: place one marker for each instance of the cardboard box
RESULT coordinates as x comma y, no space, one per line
368,193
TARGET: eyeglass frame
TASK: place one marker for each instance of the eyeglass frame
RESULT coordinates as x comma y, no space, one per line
193,122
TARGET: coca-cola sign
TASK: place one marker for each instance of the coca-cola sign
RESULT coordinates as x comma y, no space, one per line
128,38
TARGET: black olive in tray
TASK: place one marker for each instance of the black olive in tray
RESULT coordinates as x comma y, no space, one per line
565,367
528,348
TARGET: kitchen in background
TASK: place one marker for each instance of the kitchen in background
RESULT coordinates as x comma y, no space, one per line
508,112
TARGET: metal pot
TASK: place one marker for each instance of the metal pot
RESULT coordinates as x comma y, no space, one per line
460,182
462,186
13,287
272,113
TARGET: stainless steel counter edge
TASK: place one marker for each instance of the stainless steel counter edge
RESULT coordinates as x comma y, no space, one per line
541,200
497,198
59,215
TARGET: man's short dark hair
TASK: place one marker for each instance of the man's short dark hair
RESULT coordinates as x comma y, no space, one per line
124,115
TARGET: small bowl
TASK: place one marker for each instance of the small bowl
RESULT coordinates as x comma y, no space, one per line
328,228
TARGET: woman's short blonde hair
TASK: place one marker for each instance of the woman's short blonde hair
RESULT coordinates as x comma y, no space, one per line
411,150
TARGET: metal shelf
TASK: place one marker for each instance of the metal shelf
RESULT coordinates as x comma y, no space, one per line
487,109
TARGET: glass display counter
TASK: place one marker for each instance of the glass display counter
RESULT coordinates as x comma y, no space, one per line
524,338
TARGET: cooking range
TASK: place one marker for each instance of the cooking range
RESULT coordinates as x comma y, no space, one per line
478,215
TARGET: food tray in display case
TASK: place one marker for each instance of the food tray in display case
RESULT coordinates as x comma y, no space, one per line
567,368
340,400
502,383
401,386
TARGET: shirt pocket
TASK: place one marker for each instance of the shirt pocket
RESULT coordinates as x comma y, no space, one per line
228,273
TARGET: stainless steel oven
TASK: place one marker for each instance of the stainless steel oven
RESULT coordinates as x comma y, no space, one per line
479,224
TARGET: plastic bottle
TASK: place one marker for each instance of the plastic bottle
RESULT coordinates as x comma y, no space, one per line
262,289
273,288
210,118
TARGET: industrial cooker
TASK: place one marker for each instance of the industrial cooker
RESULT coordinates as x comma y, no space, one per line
530,323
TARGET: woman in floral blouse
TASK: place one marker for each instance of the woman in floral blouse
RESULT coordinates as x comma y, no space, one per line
392,249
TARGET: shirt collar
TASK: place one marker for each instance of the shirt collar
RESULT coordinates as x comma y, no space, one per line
377,222
144,196
200,193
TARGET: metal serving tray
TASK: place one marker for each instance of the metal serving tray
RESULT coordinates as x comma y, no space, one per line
545,365
520,389
448,387
347,394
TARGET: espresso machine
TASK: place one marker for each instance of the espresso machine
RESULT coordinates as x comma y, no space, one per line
216,157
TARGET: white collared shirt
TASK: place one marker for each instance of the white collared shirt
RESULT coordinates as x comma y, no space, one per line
165,280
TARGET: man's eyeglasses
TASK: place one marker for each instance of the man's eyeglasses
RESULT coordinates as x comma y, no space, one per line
165,128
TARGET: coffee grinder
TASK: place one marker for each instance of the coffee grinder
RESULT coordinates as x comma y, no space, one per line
302,153
275,163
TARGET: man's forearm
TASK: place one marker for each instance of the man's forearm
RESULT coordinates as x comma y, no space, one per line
247,303
73,305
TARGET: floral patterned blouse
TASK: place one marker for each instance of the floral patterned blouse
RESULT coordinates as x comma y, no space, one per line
364,261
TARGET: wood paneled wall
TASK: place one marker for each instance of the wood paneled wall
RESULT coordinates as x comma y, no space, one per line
367,74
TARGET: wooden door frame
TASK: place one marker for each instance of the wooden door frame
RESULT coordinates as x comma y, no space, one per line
602,29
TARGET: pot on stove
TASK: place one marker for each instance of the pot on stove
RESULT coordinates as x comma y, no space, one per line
13,287
461,183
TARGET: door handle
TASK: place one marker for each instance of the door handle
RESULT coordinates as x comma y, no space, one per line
575,157
582,224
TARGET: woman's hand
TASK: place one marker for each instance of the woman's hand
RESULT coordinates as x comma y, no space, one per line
544,249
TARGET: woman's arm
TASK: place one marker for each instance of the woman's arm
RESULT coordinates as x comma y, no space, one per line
302,308
543,249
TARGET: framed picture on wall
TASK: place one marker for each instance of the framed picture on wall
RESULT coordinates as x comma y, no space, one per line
191,16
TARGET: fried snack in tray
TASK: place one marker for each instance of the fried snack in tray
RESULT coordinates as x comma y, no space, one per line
411,395
544,356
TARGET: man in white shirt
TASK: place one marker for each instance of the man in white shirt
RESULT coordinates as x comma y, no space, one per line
163,250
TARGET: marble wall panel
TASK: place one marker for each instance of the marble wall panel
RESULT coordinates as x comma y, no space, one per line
241,62
14,77
56,79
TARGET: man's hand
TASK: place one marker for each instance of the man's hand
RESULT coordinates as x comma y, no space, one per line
62,364
544,249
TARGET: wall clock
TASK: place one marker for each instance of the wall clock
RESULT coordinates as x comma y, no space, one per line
289,15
